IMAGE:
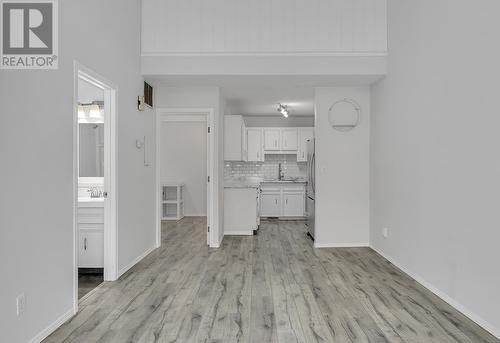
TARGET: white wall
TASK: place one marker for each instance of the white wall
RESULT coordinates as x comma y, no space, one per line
435,166
184,158
203,97
342,172
263,26
36,153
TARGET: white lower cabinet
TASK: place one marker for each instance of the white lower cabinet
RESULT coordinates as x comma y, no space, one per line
282,200
91,248
270,204
293,204
91,237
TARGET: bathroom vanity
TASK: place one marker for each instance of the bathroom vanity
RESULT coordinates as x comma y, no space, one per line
91,232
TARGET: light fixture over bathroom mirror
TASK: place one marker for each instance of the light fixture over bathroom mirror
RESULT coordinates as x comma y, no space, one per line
91,149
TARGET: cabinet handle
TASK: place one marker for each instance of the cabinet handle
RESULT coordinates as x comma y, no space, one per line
286,201
302,154
85,243
276,201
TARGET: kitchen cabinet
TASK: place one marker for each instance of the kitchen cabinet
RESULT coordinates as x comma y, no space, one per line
241,211
282,200
254,145
305,133
270,204
234,139
289,139
293,204
272,139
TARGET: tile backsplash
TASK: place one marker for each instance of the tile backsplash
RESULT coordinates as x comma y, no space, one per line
267,169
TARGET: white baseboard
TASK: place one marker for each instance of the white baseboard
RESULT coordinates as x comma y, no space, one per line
52,327
239,233
136,260
445,297
341,245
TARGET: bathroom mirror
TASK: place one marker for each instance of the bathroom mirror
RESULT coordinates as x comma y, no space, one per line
91,154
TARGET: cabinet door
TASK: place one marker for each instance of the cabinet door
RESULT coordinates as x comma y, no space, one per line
91,244
272,139
232,138
254,145
270,205
289,139
293,205
305,133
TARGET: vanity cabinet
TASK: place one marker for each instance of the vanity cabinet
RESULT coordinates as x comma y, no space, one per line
91,243
90,236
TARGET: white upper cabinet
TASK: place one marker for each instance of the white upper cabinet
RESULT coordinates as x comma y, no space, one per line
264,27
272,139
254,145
305,133
289,139
233,148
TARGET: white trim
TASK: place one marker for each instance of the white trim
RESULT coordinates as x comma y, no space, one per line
195,214
445,297
266,54
189,115
53,327
238,232
110,178
135,261
341,245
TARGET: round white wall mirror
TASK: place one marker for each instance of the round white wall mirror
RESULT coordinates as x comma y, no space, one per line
344,115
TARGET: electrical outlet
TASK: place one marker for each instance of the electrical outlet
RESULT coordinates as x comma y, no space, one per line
385,232
20,304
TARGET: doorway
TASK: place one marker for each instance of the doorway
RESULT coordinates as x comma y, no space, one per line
95,190
184,159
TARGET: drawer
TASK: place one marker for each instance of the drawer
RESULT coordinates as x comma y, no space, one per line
293,189
89,215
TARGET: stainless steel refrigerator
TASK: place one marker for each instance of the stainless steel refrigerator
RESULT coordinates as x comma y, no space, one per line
310,191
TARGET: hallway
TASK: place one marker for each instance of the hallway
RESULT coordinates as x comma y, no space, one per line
272,287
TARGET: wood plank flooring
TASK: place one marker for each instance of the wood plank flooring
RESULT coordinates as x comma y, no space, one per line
273,287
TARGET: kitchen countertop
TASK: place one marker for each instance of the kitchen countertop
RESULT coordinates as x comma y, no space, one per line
255,183
90,202
284,181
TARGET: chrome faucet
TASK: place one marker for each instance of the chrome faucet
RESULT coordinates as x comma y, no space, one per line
281,172
95,192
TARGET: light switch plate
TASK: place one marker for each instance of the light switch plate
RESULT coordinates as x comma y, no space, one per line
20,304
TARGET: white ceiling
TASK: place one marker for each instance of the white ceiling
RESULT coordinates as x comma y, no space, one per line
259,94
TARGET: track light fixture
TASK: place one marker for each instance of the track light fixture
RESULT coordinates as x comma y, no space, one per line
283,109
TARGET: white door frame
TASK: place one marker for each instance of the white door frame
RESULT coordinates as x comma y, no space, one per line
110,174
189,115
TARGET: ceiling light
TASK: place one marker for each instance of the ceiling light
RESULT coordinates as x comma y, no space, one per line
95,112
283,109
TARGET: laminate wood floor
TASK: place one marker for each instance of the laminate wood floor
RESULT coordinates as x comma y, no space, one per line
273,287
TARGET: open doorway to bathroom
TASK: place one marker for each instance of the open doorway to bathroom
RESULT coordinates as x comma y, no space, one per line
95,188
